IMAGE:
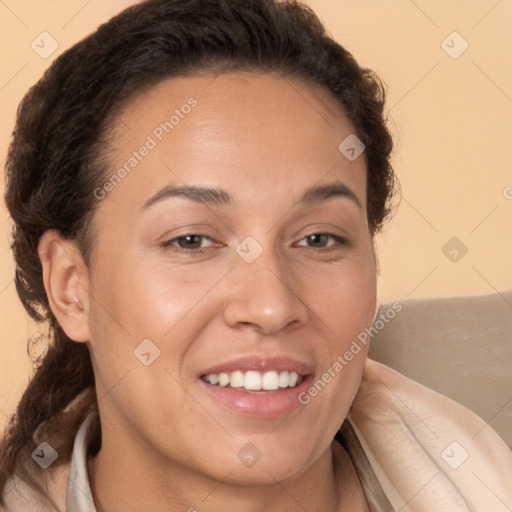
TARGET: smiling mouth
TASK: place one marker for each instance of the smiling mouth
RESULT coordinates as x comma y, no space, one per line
254,381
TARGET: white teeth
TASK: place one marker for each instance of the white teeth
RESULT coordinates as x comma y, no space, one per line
236,379
252,381
270,381
223,379
255,381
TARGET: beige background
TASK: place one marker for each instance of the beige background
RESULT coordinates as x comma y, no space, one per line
451,118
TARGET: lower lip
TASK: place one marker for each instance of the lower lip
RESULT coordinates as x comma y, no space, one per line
270,404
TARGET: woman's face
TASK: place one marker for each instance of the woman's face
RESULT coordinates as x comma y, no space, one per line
184,285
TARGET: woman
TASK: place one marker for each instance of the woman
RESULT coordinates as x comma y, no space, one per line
195,189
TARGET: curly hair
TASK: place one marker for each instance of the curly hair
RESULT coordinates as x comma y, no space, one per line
57,158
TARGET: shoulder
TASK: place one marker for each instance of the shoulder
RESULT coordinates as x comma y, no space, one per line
19,496
58,478
427,449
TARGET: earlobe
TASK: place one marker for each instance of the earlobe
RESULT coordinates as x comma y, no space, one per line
66,281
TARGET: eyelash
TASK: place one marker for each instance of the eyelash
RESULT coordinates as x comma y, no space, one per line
169,243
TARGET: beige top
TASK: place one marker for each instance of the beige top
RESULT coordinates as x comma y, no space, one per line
414,451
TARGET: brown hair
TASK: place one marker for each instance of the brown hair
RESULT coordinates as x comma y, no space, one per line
56,159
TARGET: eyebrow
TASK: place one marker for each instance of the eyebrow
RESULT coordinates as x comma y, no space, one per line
219,197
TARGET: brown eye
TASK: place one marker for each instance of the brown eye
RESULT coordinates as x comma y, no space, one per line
186,243
320,240
190,241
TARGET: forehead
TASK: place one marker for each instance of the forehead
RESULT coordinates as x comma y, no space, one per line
271,133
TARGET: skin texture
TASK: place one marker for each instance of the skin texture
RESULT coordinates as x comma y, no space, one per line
167,445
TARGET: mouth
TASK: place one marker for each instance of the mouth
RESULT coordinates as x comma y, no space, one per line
254,381
256,386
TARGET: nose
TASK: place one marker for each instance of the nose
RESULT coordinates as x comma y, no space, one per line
265,294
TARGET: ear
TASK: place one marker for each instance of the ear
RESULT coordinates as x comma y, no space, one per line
375,258
377,275
66,281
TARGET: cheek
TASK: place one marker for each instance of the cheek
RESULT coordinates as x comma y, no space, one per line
345,299
143,300
133,302
345,304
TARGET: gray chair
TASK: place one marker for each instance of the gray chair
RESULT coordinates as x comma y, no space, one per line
460,347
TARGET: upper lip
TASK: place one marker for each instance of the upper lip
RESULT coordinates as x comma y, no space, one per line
260,363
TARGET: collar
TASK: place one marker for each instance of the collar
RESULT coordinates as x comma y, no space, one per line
79,496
